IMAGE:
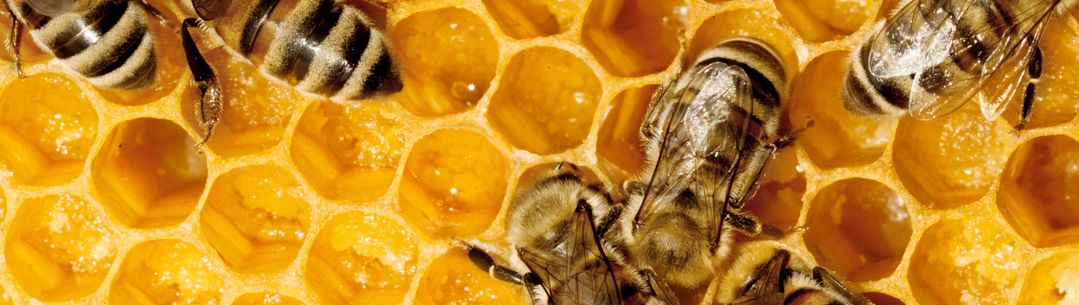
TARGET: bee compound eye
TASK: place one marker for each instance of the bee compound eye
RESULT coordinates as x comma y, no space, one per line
210,9
51,8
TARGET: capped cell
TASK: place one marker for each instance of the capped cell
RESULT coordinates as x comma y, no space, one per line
47,126
148,173
614,29
361,258
165,272
349,152
454,279
1038,194
256,218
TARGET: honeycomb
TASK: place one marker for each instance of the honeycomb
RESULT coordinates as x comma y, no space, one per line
298,200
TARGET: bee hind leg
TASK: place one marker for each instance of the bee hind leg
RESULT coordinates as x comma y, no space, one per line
209,106
751,226
15,39
484,261
1035,72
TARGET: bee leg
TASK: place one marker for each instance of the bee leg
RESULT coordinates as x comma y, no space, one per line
829,282
660,292
209,107
484,261
1035,72
751,226
15,39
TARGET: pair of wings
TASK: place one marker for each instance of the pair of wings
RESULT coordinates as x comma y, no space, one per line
565,279
704,114
925,33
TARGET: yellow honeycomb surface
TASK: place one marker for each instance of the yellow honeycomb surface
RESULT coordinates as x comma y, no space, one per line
105,199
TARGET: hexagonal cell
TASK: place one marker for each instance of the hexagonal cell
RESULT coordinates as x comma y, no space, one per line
1037,194
882,299
453,184
46,129
778,200
969,260
256,218
838,138
148,173
761,25
619,143
59,247
166,271
256,109
1054,102
523,19
448,59
362,258
613,30
349,152
952,160
823,20
265,298
171,66
1052,281
858,228
454,279
546,101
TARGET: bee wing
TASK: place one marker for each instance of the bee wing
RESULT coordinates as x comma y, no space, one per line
570,284
912,40
686,122
1006,50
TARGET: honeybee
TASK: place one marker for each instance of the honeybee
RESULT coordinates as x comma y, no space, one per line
932,56
318,46
555,227
107,41
768,277
707,137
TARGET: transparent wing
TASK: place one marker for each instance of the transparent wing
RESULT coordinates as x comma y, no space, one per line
580,275
1009,81
911,40
691,125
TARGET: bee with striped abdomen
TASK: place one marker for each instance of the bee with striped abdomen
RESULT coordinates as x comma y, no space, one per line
107,41
707,138
932,56
767,276
555,228
319,46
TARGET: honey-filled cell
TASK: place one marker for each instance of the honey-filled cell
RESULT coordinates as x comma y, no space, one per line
148,173
349,152
256,218
778,200
619,143
166,272
47,126
453,279
970,260
454,183
361,258
256,109
613,30
1053,281
1038,193
522,19
823,20
838,138
265,298
59,247
546,101
951,160
448,59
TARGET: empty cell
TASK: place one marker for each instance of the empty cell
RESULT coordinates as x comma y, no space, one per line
265,298
858,228
969,260
823,20
1058,88
522,19
59,247
148,173
170,64
349,152
614,29
778,200
1052,281
838,138
453,184
764,26
1038,194
546,101
448,59
952,160
166,271
256,109
454,279
619,143
256,218
362,258
46,129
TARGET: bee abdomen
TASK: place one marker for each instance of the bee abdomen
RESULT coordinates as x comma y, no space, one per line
766,76
109,44
866,94
332,52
